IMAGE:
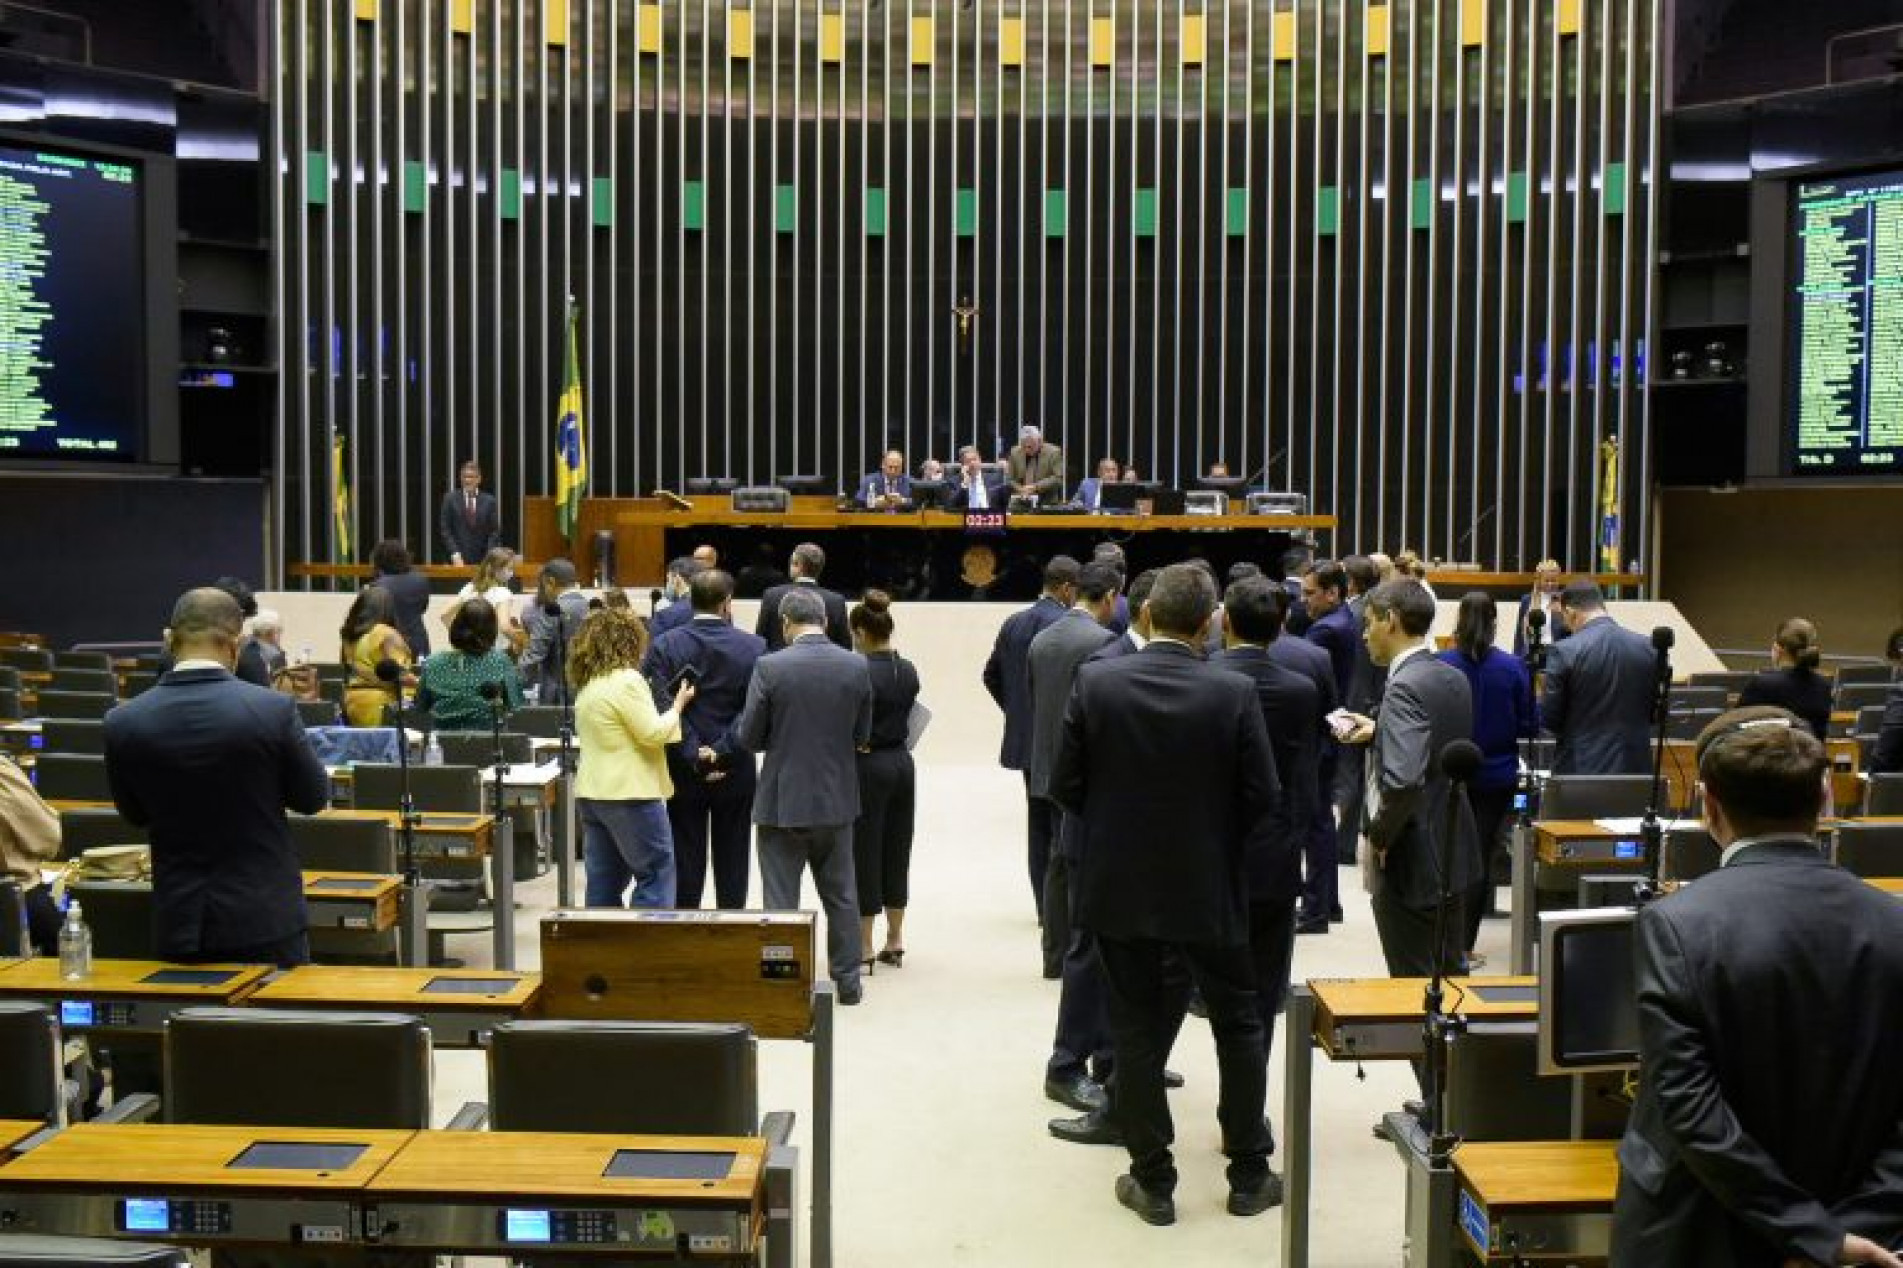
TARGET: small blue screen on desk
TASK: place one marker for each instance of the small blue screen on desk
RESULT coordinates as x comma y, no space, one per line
1628,850
526,1226
148,1215
75,1012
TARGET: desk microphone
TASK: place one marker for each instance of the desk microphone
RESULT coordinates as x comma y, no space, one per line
1459,762
1536,619
389,671
1651,832
552,608
654,602
492,692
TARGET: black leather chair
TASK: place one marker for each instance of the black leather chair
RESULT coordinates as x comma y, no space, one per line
1701,696
1884,795
268,1067
319,713
71,777
35,1086
478,748
325,844
82,660
9,703
1690,852
32,1250
1857,675
442,789
119,913
1851,697
1595,796
35,660
75,704
85,680
1689,724
667,1078
138,682
73,735
13,939
1732,680
86,827
1870,850
541,721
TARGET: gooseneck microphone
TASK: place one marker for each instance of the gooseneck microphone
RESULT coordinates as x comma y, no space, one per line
389,671
1459,761
654,602
392,673
1651,834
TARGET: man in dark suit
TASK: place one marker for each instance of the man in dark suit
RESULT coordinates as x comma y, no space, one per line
408,589
807,563
1089,494
471,521
888,488
1006,677
1600,687
1364,689
1335,628
713,791
1426,706
1766,1130
676,587
1292,714
209,764
1137,631
809,709
1083,1018
974,488
1166,761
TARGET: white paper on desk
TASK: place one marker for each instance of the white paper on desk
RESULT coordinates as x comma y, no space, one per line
1621,827
915,724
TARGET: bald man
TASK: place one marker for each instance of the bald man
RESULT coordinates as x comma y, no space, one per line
888,488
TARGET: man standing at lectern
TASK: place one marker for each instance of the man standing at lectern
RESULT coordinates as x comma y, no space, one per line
471,521
1768,1129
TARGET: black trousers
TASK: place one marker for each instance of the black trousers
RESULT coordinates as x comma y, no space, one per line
1407,944
286,953
1145,1015
882,836
1040,835
43,920
712,818
1321,851
1082,1043
1491,807
1057,905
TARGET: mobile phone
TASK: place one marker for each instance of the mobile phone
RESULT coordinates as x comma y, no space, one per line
688,674
1341,722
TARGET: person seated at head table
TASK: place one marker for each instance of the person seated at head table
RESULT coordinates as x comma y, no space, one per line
888,488
1090,489
450,685
931,469
974,488
1217,471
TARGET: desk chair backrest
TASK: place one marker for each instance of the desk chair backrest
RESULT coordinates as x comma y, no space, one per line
325,844
542,721
1690,852
91,826
1884,796
1685,699
32,659
13,939
1495,1092
10,703
138,682
1850,697
30,1054
1854,675
82,660
286,1068
1689,724
119,913
1870,849
478,748
439,789
71,777
1732,680
85,680
54,703
319,713
73,735
34,1250
1595,796
9,677
1869,721
665,1078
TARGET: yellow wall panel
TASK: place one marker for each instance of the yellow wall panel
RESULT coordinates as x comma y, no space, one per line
1377,36
832,37
1103,42
1011,41
1568,17
1195,39
1284,37
556,13
1473,22
924,41
648,27
366,10
462,16
740,33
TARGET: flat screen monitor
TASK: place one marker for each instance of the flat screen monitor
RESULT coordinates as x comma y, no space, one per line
1589,1006
74,373
928,494
1234,486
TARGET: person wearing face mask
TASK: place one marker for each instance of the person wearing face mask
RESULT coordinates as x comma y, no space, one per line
491,582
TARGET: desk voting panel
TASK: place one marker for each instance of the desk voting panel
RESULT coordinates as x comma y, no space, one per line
127,996
1538,1201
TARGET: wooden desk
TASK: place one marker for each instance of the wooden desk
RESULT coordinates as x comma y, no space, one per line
1537,1198
709,512
353,900
1583,843
15,1130
1888,884
447,1190
457,1019
121,997
1379,1018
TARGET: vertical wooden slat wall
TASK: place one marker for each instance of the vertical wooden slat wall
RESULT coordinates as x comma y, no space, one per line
1393,255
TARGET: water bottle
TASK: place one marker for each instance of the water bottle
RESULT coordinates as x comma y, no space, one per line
75,945
433,751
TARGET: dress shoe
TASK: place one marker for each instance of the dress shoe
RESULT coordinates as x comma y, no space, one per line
1381,1131
894,956
850,993
1414,1109
1314,924
1150,1207
1257,1198
1336,916
1172,1080
1081,1092
1094,1128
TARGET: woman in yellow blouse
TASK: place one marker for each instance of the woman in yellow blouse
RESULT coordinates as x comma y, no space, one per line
369,638
622,788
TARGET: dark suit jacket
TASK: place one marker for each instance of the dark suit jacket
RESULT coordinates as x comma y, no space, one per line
1311,662
1166,761
1888,754
410,592
1426,707
1555,632
1804,692
672,617
809,709
724,657
768,625
209,764
1121,645
874,484
1292,714
1337,633
1089,493
995,496
1598,701
470,540
1770,1116
1050,669
1044,472
538,667
1007,677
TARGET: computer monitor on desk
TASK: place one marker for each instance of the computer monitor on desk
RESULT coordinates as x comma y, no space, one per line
1589,1005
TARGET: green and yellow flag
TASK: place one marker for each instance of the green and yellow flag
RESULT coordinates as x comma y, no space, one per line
339,502
571,447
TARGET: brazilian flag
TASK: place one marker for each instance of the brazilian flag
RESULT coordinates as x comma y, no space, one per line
571,447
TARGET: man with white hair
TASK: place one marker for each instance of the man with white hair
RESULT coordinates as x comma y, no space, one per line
1034,468
267,635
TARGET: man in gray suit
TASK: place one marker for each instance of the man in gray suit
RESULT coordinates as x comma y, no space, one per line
809,709
1083,1014
1600,685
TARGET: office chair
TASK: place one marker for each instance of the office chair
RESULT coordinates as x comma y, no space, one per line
1870,850
54,703
119,913
84,828
13,939
1689,724
540,721
138,682
410,717
1690,852
319,713
1851,697
268,1067
71,777
1595,796
1686,699
325,844
1732,680
82,660
10,703
85,736
478,748
85,680
1884,795
439,789
667,1078
1860,675
34,1250
34,660
35,1086
9,677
